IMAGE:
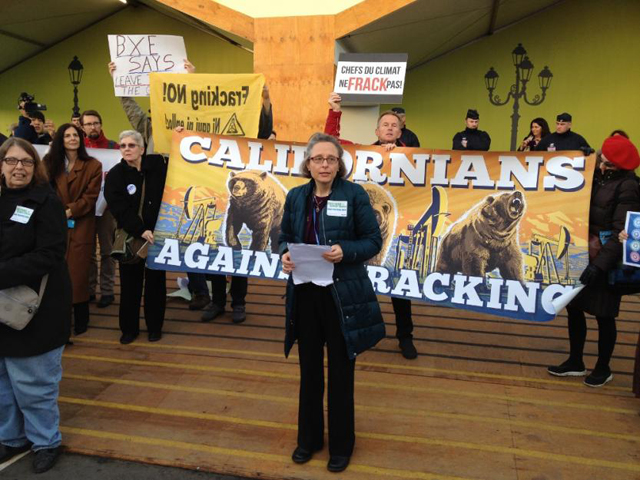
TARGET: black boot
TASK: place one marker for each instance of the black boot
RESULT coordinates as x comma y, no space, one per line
80,317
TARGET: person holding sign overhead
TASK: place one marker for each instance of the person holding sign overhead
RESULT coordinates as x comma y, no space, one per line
388,131
345,315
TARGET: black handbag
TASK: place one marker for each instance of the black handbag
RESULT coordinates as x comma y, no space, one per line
128,249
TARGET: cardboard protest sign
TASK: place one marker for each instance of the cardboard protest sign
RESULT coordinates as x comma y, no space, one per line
136,56
371,77
107,157
502,233
208,103
631,253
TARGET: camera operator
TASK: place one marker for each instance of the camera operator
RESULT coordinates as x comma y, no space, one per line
27,107
43,128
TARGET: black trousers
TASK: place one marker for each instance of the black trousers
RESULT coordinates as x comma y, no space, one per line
238,292
404,323
607,335
317,323
132,278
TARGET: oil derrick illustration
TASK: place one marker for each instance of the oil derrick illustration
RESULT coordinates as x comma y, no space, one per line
544,252
197,214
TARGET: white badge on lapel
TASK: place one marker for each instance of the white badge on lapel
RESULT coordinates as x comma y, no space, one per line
131,188
337,208
22,214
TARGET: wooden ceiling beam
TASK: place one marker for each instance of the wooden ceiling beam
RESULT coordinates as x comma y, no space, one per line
217,15
365,13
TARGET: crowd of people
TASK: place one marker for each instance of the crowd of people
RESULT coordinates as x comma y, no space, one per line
52,243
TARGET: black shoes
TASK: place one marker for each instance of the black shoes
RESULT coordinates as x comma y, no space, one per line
569,368
79,330
239,314
211,312
105,301
7,452
338,463
155,336
45,459
300,455
598,378
128,338
198,302
407,348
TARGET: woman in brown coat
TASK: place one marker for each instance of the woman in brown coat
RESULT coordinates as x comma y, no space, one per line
76,178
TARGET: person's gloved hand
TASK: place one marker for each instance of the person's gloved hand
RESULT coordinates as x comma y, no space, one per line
587,151
590,275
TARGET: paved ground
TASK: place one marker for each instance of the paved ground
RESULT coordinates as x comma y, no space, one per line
74,467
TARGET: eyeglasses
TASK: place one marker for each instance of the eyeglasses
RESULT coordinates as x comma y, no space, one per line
128,145
26,162
92,124
319,160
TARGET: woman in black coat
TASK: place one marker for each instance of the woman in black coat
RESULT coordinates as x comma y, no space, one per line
615,191
33,239
123,192
345,315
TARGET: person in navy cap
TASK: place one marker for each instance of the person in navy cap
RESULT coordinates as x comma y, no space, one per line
471,138
563,138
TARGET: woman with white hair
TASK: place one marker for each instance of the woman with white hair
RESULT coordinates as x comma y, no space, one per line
138,178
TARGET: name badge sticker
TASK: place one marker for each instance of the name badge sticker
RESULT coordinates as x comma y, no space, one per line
22,214
337,208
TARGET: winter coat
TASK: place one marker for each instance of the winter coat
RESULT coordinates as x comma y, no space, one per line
78,190
562,141
476,140
358,234
28,251
612,195
123,189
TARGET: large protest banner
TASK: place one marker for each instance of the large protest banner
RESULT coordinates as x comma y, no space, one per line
136,56
217,104
495,232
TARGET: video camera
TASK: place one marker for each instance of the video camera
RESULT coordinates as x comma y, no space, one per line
29,104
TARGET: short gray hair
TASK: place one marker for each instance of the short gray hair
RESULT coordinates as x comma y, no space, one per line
322,138
133,134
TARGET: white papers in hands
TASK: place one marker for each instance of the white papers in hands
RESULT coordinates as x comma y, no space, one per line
310,266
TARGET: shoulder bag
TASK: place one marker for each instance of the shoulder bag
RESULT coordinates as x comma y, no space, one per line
18,305
128,249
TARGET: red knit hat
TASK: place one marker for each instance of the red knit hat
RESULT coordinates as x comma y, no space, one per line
621,152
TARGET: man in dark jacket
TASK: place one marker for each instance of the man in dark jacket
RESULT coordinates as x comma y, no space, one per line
38,124
388,131
563,138
471,138
408,138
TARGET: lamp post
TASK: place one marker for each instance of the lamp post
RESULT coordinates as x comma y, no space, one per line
75,76
518,90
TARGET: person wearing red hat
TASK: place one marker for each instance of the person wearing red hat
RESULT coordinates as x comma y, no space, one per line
615,191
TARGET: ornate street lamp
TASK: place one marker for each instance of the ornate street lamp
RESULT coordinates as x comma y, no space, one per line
524,70
75,76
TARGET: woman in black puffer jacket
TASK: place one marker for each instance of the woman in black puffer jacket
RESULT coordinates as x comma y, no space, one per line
615,191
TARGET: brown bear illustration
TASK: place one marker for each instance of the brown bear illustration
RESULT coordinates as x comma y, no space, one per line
485,238
383,207
257,201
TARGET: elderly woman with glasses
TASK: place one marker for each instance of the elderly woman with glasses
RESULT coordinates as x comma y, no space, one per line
615,191
77,178
138,178
331,211
33,241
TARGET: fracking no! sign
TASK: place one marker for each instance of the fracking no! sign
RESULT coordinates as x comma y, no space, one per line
371,78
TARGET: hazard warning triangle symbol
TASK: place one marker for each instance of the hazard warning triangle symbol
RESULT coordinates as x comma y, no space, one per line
233,127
